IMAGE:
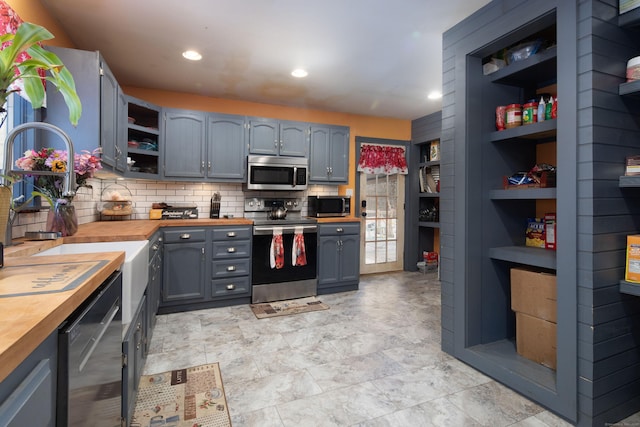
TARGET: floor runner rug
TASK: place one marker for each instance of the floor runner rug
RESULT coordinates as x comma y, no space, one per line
284,308
182,398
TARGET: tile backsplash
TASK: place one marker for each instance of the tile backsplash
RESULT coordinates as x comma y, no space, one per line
144,193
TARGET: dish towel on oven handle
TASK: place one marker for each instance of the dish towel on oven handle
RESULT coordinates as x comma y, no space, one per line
276,251
298,252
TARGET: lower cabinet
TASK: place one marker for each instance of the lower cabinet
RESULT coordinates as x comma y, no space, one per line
134,352
28,394
338,257
184,266
230,262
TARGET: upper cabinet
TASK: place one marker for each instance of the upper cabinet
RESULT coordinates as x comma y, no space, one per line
204,145
184,144
99,93
278,138
329,155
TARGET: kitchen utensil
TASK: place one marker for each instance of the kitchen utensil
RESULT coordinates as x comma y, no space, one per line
278,213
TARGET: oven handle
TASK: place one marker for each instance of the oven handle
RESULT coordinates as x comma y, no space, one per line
287,229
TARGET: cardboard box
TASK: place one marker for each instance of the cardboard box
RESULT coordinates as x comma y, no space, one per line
536,339
632,270
534,293
625,6
550,231
535,235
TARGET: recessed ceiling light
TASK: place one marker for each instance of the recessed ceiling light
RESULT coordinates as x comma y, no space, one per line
192,55
299,72
435,95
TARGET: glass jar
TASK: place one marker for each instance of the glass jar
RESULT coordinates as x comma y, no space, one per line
62,218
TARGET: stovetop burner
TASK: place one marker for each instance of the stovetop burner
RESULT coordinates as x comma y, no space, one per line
259,210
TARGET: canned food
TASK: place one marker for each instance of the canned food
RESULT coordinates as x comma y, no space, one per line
513,116
530,113
633,69
500,117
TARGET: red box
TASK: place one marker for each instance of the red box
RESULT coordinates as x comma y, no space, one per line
550,231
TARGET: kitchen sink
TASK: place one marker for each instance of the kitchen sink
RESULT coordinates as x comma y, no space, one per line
135,270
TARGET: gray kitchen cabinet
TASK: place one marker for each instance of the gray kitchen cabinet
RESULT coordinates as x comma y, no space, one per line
204,146
183,266
120,149
226,147
230,262
98,90
134,357
184,147
142,139
154,287
28,394
278,138
338,257
329,155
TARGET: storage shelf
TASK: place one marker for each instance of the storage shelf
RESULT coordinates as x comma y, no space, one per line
524,194
429,224
535,257
629,19
153,153
539,130
629,288
429,195
144,129
429,164
540,67
629,181
630,88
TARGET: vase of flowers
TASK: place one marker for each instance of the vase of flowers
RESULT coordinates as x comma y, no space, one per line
62,216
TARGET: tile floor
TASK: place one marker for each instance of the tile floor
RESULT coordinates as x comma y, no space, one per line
373,359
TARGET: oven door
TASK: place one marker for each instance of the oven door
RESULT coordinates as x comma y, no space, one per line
276,279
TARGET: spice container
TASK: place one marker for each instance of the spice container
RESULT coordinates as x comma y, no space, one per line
513,116
530,112
633,69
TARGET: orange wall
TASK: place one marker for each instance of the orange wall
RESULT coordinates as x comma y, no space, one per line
33,11
366,126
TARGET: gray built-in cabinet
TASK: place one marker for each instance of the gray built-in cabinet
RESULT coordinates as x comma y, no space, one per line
28,394
142,140
205,267
338,257
102,104
278,137
597,380
329,155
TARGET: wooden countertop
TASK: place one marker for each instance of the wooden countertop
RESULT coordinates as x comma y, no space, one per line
26,321
338,219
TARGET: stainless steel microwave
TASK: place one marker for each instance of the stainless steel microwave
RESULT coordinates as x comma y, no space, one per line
277,173
328,206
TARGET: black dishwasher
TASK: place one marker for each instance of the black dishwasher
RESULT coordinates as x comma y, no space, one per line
90,360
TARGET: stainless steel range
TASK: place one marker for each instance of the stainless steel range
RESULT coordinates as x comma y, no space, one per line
284,254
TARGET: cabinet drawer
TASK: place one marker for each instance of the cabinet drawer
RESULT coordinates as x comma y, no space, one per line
338,229
185,235
230,287
231,249
231,233
230,267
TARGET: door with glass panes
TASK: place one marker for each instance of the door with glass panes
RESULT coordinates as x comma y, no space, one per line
382,237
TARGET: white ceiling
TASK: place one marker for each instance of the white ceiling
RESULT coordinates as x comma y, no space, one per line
371,57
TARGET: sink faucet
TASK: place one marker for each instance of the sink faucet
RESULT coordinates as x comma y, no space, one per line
69,181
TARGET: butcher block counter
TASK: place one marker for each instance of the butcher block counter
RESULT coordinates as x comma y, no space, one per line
38,293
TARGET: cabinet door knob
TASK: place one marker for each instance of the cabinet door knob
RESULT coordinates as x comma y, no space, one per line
231,234
339,230
231,268
231,250
231,287
185,236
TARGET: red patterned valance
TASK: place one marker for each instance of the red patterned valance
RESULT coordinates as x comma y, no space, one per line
382,159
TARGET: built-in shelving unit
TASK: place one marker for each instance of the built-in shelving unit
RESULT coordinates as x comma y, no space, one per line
143,140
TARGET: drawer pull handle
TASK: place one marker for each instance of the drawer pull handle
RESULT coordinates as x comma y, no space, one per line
231,234
231,287
185,236
231,268
231,250
339,230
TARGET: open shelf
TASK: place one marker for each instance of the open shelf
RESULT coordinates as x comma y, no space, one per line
538,67
630,88
630,288
429,224
630,19
525,255
533,131
523,194
629,181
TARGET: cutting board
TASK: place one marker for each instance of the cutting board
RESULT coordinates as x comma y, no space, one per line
39,278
